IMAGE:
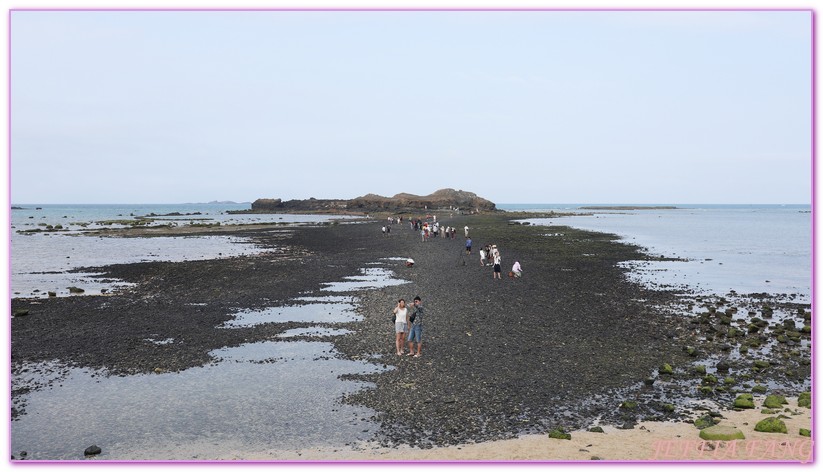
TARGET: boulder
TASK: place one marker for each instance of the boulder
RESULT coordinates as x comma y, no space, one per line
721,433
704,422
771,425
775,401
805,400
559,434
92,451
744,400
805,432
665,369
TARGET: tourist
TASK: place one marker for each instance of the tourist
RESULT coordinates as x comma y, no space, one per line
469,246
517,271
466,231
409,262
384,230
416,329
497,261
401,317
482,256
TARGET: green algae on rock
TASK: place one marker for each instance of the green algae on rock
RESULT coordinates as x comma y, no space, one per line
775,401
744,400
559,434
721,433
771,425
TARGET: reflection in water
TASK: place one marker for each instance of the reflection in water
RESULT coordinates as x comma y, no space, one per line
262,396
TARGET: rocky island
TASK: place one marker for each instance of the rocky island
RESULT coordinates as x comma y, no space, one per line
443,199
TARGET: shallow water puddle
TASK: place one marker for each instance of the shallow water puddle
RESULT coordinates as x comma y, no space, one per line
373,277
263,396
309,313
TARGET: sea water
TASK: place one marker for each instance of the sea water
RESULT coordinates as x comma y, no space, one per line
721,248
48,261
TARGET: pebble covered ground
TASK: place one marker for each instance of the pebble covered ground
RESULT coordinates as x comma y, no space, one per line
572,343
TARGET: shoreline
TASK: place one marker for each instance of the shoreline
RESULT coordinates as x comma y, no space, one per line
649,441
568,343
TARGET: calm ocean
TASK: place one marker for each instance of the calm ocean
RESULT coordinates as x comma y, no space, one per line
43,262
745,248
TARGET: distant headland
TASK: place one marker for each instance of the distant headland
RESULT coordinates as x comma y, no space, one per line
443,199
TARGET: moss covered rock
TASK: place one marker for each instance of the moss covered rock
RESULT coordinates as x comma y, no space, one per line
596,429
628,405
805,400
806,432
559,434
721,433
704,422
775,401
759,389
666,369
709,380
771,425
744,400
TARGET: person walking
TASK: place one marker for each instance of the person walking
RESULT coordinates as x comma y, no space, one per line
416,329
469,246
401,319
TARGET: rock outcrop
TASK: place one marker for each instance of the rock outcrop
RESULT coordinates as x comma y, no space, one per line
442,199
448,198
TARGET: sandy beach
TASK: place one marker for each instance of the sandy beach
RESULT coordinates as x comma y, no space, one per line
649,441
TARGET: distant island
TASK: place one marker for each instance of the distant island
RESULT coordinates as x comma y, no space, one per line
443,199
629,208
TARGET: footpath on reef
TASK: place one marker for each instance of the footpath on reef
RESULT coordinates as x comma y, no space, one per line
571,344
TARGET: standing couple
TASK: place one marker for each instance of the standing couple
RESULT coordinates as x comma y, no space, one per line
411,321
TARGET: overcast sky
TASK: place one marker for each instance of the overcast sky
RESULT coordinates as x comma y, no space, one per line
542,107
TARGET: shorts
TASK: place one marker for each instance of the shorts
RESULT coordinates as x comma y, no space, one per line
415,334
496,268
399,327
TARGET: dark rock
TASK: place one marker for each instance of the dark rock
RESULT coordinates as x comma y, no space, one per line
704,422
92,451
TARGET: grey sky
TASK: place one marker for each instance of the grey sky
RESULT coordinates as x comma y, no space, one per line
607,107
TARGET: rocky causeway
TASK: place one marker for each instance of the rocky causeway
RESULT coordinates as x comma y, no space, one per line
572,344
